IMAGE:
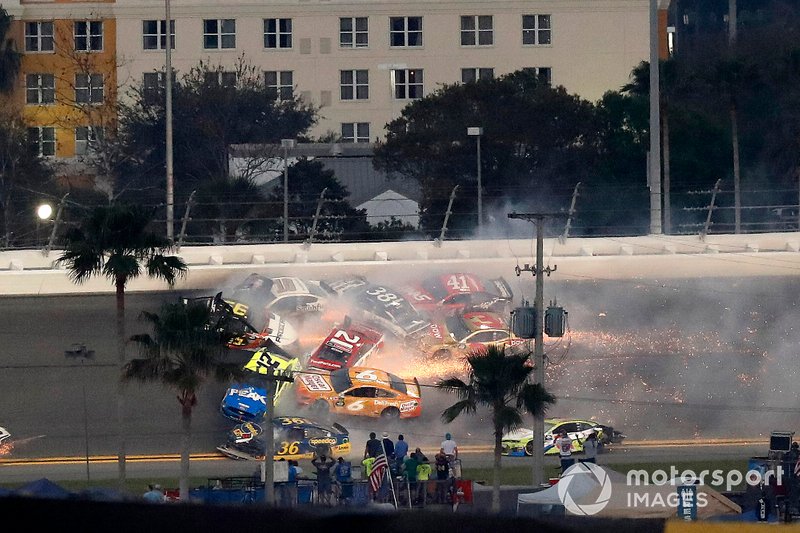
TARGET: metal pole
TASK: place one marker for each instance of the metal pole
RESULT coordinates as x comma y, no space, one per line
85,424
711,208
269,438
655,126
447,215
55,226
285,193
168,111
538,356
316,215
570,214
189,204
480,190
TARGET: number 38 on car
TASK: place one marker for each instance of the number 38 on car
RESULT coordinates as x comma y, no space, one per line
360,391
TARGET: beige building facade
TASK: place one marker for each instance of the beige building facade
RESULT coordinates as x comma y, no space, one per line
361,62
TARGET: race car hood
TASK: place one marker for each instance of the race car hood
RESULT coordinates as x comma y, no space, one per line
519,434
280,331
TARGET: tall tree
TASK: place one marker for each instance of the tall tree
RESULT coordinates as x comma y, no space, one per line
115,241
10,57
181,353
501,383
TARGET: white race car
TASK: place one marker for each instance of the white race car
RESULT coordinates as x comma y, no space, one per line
4,435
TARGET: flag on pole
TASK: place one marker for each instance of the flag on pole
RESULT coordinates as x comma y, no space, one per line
379,468
797,468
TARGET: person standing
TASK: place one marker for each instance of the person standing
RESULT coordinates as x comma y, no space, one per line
590,446
442,475
423,475
344,481
449,447
400,450
388,447
373,447
410,473
564,445
154,494
324,488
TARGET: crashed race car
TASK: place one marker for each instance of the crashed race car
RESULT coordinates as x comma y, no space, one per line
454,292
246,400
348,344
469,331
4,435
295,438
257,295
519,442
359,391
380,305
231,320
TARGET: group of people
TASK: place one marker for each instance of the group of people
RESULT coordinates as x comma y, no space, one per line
415,468
563,442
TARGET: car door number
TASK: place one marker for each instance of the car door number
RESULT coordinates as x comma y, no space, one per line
356,405
344,341
389,299
367,375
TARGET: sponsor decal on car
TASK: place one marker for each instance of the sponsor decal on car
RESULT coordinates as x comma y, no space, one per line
249,393
436,331
322,440
408,406
315,383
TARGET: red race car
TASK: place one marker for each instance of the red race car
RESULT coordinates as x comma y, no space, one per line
459,291
348,344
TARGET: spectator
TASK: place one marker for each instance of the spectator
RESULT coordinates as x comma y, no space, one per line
590,446
449,447
388,447
344,482
400,450
373,447
423,475
323,466
420,455
367,463
564,445
410,472
290,494
154,494
442,475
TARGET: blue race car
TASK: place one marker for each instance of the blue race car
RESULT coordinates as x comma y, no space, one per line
295,438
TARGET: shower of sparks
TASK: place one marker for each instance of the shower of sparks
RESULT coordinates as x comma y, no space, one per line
6,448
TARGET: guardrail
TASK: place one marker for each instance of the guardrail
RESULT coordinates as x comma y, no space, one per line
32,272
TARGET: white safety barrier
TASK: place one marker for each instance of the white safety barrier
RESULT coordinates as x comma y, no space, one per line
31,272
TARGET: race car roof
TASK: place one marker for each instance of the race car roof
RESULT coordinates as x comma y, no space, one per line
444,285
345,378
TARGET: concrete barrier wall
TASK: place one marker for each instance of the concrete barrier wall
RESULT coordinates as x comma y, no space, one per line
31,272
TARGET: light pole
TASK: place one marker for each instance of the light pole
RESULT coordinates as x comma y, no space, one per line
80,350
286,144
477,133
43,213
168,133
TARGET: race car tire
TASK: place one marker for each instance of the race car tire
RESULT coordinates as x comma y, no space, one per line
529,448
442,353
320,408
390,413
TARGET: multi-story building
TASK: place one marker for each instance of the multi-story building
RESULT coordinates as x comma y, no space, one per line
360,61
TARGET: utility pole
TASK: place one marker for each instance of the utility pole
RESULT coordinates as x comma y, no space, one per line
271,377
538,353
168,132
654,159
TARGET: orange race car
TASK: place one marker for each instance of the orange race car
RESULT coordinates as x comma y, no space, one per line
360,391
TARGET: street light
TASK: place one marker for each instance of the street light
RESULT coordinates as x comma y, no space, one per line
286,144
80,350
43,214
477,133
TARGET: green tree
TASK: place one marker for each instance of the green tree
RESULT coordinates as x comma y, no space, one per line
10,58
213,109
501,383
182,353
115,241
536,139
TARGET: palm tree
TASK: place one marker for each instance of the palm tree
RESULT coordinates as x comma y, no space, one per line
182,353
501,383
115,241
9,56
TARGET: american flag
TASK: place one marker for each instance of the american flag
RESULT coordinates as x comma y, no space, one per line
378,471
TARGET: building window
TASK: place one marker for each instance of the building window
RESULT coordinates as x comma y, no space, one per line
354,84
355,132
38,36
219,34
88,35
469,75
40,89
407,83
86,139
88,88
536,29
353,32
42,141
154,34
277,33
477,30
405,31
223,79
281,82
544,74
